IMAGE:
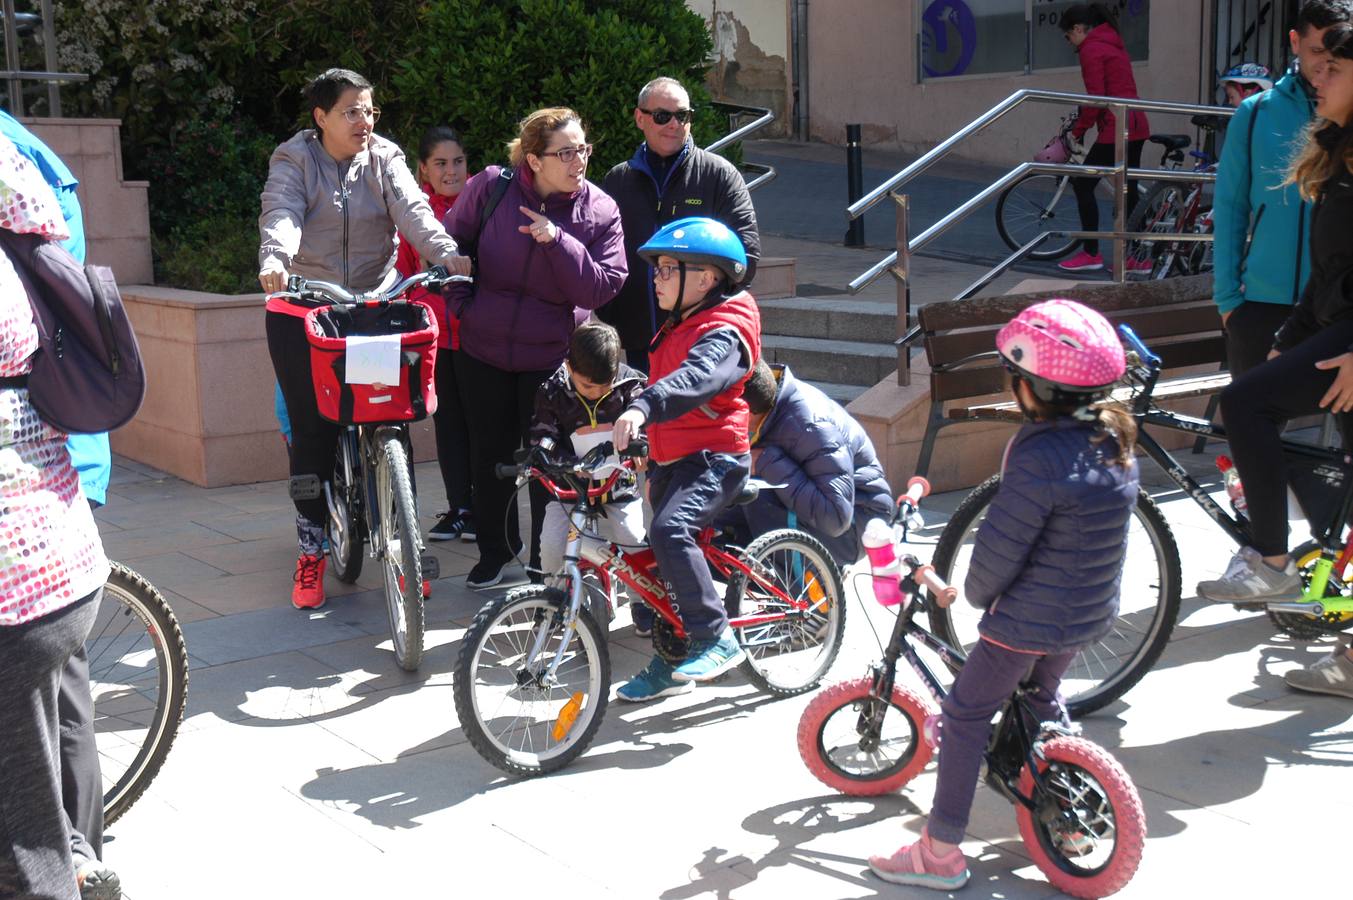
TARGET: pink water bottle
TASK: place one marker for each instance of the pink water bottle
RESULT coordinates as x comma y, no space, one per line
1231,478
878,543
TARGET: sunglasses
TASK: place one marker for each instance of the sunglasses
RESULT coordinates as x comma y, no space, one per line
663,116
569,154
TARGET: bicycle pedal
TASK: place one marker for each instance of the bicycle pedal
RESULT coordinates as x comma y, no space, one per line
432,567
305,487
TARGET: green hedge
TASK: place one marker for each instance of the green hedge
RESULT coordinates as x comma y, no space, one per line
205,91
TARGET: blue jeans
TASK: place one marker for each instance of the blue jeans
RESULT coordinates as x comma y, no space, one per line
687,495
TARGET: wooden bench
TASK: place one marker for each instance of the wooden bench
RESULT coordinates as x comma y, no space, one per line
1175,317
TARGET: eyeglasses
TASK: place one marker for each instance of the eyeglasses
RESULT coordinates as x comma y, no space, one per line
354,113
569,154
667,271
663,116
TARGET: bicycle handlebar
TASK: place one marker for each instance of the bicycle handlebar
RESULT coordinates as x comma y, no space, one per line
943,593
537,458
1136,345
301,288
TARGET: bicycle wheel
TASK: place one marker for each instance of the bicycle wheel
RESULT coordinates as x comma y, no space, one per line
1310,628
138,676
790,655
1087,828
846,754
1148,605
344,528
401,549
1158,211
516,714
1033,205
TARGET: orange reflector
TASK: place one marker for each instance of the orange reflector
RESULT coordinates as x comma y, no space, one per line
816,592
567,716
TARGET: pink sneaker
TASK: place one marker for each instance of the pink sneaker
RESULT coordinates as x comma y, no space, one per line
917,865
1140,264
1082,262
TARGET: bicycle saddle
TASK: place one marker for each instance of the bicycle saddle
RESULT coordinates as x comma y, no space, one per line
1172,141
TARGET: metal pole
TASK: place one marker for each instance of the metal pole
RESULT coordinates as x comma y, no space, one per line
902,273
49,49
1120,193
12,61
854,184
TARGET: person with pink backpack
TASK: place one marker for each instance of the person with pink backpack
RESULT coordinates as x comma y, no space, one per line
1047,561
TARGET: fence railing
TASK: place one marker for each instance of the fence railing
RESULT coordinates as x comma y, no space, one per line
899,261
18,25
763,118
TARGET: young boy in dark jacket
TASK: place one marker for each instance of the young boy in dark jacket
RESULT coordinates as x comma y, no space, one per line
697,431
577,405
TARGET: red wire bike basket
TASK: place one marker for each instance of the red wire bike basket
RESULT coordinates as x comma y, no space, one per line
413,398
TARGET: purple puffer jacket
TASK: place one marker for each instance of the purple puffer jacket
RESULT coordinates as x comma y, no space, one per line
529,296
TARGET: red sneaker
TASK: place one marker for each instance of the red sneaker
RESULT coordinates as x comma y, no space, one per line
309,590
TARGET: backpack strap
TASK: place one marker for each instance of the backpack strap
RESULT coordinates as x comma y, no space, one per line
495,196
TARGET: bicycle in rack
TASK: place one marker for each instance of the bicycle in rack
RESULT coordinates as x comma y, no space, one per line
1079,814
138,678
532,680
1172,207
1322,478
370,497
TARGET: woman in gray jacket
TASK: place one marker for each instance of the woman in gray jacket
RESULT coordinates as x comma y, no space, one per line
336,196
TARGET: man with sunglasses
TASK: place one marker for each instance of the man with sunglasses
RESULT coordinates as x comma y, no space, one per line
668,178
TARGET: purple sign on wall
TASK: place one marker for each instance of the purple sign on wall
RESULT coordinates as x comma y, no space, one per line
949,36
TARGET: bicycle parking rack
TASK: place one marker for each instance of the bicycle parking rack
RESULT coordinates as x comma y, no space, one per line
898,263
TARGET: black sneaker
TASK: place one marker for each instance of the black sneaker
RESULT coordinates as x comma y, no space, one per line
486,574
467,529
450,526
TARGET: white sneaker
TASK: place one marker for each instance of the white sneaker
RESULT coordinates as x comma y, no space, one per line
1248,579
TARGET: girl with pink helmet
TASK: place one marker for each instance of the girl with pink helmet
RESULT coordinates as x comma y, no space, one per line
1047,560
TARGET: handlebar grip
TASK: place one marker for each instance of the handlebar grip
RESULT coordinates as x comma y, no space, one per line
917,488
944,594
637,449
502,470
1135,343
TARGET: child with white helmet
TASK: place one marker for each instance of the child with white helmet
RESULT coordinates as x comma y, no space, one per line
1047,560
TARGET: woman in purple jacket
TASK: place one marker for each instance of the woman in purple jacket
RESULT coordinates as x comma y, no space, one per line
551,251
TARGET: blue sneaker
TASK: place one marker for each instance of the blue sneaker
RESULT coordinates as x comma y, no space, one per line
710,658
653,682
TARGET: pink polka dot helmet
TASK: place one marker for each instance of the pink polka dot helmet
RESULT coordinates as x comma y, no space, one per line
1066,351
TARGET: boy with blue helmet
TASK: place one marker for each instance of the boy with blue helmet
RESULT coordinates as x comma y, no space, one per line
697,422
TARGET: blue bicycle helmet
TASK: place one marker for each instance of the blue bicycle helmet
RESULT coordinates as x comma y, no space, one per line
1249,73
696,239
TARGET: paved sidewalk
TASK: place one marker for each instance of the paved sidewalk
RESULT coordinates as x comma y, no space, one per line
311,766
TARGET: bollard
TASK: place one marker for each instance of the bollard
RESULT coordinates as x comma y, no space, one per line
854,184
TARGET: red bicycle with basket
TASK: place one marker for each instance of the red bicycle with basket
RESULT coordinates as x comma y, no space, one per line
533,676
370,497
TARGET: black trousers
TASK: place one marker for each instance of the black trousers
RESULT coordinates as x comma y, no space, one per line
687,495
1249,334
453,435
313,440
498,408
81,776
1087,204
1256,406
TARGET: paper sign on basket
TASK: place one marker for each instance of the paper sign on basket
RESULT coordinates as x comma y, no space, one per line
587,437
372,359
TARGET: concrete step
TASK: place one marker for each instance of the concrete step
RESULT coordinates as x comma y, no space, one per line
841,393
833,318
775,278
834,362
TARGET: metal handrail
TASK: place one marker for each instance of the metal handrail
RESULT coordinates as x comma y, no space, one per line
14,76
997,112
764,118
1000,185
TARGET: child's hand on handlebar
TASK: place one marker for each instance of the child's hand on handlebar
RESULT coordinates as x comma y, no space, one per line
626,428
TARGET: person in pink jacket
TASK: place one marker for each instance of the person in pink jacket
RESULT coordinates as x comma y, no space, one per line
1107,71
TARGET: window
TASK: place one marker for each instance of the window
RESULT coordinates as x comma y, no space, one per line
991,37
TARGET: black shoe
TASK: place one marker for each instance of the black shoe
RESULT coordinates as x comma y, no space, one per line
450,526
486,574
467,529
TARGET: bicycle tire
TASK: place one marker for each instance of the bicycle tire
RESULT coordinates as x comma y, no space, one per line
401,553
531,602
345,538
1028,201
1096,796
1310,628
135,629
807,566
1156,212
856,771
1145,621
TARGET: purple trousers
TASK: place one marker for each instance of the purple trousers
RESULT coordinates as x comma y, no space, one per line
986,681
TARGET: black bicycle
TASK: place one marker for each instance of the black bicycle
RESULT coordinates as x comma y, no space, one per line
1079,813
1102,673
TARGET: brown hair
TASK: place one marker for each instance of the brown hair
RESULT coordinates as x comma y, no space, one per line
1320,160
594,352
1112,420
534,131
